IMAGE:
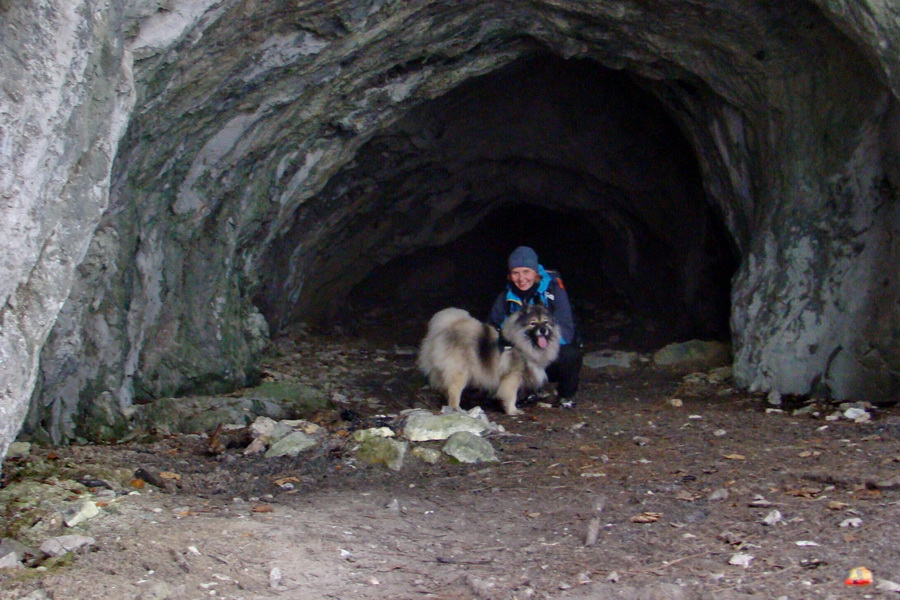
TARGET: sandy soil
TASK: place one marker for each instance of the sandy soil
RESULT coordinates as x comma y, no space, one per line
671,493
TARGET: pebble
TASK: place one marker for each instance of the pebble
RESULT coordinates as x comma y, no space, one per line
719,495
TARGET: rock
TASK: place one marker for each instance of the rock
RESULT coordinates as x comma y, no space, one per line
300,399
774,517
603,359
262,426
718,495
693,354
423,426
19,450
156,590
365,434
58,546
740,560
20,550
468,447
719,375
9,560
204,413
383,451
429,455
80,512
857,415
292,445
886,585
104,420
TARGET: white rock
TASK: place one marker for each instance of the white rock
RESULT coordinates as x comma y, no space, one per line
58,546
80,512
772,518
740,560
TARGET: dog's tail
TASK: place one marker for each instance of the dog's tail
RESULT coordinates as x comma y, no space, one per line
444,318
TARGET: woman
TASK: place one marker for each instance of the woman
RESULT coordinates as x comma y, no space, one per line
530,283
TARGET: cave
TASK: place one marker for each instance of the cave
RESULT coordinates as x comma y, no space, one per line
185,181
564,155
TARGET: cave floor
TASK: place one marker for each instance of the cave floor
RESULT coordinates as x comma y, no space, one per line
676,492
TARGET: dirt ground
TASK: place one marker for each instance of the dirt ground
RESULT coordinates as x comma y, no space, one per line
675,479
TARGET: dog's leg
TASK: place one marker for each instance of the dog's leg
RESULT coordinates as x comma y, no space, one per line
507,392
456,383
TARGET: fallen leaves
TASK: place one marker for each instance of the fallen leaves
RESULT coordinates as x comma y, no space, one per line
734,457
646,517
806,492
282,481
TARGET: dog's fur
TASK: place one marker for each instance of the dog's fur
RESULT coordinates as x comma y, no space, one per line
460,351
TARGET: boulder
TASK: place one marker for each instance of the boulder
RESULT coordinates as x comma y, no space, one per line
693,354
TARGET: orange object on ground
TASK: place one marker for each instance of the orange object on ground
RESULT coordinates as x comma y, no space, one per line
859,576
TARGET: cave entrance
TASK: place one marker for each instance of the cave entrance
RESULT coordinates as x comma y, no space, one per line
580,162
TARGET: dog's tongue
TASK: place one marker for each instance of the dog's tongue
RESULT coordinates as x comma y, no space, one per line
542,341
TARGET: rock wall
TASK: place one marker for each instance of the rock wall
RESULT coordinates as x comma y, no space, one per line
246,110
65,99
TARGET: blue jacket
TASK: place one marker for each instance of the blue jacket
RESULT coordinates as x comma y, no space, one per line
549,292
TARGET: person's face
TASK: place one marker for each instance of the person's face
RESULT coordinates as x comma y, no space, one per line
523,277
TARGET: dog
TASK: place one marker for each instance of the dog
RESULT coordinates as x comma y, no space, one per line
460,351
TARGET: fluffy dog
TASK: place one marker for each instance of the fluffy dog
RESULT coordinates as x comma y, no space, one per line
460,351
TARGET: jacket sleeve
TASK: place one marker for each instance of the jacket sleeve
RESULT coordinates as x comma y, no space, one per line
498,311
562,312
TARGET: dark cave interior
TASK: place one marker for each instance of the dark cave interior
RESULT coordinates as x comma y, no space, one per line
578,161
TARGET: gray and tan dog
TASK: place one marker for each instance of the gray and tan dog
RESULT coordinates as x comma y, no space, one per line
460,351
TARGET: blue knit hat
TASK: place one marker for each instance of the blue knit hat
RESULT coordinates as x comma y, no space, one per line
523,256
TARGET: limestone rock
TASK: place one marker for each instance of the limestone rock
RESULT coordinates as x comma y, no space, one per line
204,414
80,512
383,451
689,355
364,434
468,447
292,445
430,455
19,450
602,359
58,546
423,426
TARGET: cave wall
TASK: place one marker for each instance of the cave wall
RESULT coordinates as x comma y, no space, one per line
244,111
66,95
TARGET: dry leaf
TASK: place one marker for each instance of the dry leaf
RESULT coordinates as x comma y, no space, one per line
735,457
284,480
687,496
865,493
807,492
138,484
263,508
647,517
835,505
169,475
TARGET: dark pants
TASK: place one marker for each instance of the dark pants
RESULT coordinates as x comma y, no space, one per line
566,370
